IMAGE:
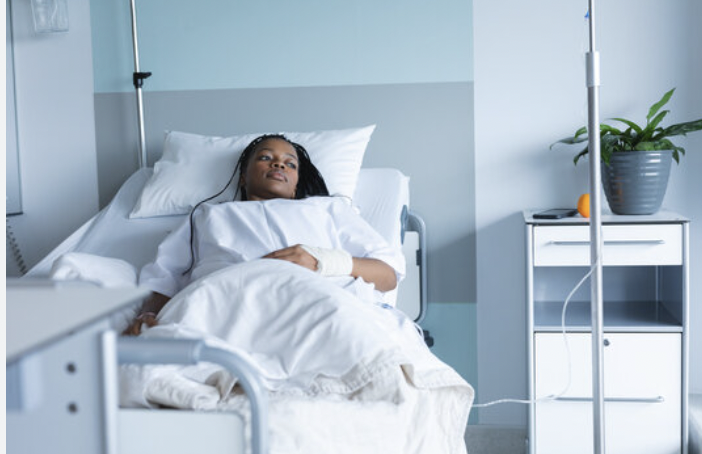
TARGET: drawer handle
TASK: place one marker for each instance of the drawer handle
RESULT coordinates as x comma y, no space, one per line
607,242
637,400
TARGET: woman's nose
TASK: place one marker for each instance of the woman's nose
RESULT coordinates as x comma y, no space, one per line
278,164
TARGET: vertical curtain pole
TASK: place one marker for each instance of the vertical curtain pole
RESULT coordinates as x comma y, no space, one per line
138,80
596,306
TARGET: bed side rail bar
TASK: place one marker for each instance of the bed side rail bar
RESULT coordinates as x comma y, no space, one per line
192,351
413,222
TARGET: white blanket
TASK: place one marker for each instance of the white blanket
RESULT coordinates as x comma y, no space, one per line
307,336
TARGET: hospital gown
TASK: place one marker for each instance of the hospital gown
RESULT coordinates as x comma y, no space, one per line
236,232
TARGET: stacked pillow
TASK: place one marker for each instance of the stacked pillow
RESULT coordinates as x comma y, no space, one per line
194,167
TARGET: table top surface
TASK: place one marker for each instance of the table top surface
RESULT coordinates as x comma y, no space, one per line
661,217
40,312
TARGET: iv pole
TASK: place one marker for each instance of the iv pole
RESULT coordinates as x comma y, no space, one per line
138,80
593,85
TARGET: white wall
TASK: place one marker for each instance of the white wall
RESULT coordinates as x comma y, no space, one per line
530,91
56,131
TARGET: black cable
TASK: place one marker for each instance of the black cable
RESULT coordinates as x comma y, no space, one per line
14,246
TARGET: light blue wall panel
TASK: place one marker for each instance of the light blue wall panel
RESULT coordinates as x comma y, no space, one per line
216,44
453,327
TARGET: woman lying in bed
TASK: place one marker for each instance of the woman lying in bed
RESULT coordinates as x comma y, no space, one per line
291,281
280,217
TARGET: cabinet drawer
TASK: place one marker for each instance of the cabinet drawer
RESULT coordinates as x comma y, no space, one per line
642,373
624,245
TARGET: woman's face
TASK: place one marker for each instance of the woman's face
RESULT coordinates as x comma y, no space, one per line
272,171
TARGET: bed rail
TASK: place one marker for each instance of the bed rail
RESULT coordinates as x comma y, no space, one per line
192,351
413,222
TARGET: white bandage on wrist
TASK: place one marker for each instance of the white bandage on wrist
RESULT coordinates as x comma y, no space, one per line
331,262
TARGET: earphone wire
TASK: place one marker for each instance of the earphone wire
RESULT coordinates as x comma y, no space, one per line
192,218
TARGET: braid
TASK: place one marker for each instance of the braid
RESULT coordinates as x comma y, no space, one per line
310,181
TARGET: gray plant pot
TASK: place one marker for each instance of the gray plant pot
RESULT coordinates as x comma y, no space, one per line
635,181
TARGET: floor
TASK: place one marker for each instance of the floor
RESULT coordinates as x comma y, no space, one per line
486,439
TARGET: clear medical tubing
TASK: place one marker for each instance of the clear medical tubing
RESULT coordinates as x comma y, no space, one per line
190,351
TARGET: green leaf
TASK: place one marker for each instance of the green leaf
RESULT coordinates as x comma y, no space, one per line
664,144
611,141
580,132
681,128
569,141
607,129
577,157
646,146
677,151
631,124
657,106
651,127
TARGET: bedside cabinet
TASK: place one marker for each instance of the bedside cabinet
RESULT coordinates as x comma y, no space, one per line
645,310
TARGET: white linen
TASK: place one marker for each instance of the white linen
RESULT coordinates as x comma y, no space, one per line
104,271
308,337
426,421
236,232
380,196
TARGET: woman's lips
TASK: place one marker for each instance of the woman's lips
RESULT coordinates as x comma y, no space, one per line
276,175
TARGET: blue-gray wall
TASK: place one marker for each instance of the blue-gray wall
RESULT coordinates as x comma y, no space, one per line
55,131
222,44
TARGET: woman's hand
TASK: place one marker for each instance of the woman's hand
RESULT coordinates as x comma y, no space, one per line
149,311
134,328
295,254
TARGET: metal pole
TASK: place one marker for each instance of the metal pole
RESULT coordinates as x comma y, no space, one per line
138,80
593,85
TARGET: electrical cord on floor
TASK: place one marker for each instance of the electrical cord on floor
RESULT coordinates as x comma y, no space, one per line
14,247
568,355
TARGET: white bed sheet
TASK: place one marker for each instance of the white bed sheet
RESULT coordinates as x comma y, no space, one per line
112,234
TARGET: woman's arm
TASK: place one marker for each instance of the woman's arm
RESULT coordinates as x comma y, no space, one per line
150,308
374,271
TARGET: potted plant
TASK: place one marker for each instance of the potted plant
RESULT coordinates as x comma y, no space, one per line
636,160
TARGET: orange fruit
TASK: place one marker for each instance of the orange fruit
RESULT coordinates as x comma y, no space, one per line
584,205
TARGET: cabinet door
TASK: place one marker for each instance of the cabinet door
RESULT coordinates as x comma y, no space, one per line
642,394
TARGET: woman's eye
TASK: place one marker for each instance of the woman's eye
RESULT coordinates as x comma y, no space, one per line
264,158
292,165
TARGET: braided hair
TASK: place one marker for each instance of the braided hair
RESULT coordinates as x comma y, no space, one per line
310,181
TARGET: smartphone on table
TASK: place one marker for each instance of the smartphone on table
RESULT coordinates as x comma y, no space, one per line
556,213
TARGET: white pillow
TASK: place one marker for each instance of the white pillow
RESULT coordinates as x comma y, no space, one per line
194,167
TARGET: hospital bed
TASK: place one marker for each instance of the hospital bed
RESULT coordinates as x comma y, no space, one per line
382,198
